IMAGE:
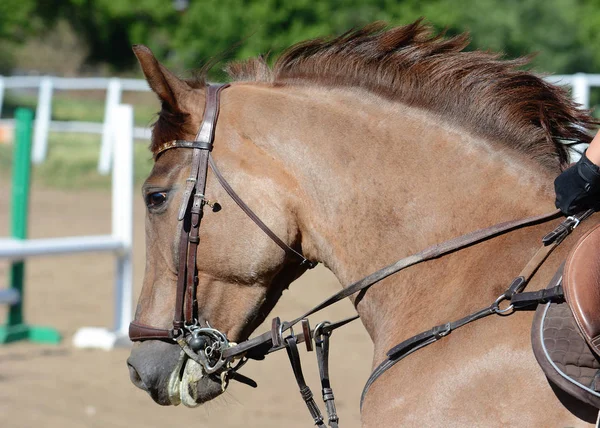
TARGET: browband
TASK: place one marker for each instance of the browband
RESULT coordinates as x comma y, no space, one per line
185,144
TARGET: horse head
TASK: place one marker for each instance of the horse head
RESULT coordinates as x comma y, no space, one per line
240,271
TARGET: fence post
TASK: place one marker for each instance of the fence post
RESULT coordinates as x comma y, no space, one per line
42,120
122,212
16,329
121,140
113,98
581,92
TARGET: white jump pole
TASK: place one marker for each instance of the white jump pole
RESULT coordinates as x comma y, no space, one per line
113,98
122,212
42,121
121,139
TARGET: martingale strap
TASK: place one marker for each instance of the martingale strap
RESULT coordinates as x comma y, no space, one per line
519,300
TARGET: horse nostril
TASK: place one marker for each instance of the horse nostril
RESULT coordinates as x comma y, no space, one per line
150,366
135,377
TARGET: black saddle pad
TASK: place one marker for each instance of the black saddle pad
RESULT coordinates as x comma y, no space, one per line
563,354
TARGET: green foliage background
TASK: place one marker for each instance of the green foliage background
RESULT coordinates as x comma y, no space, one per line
565,33
71,37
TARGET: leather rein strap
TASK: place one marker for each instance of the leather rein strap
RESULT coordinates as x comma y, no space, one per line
190,214
514,293
267,339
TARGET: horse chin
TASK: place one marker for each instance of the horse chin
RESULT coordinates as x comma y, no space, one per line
190,386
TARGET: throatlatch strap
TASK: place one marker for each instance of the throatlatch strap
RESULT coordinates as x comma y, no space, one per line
240,203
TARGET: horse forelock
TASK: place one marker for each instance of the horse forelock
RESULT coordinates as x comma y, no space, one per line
480,91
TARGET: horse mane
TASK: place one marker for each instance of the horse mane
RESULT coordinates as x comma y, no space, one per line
478,90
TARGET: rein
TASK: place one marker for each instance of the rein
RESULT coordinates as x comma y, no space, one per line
429,253
211,348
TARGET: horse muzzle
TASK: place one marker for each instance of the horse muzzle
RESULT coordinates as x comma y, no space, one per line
169,376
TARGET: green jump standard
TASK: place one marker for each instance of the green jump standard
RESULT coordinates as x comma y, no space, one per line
15,328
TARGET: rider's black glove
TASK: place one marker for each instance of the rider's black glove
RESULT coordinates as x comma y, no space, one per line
578,187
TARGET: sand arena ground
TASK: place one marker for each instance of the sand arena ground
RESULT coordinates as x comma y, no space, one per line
61,386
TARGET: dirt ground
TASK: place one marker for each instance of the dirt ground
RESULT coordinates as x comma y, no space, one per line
61,386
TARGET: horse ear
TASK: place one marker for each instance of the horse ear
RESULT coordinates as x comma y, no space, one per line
165,84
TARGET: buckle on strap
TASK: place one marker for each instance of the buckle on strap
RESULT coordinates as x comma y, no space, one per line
442,330
308,263
565,228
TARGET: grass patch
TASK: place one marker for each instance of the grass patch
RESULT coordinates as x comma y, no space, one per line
72,163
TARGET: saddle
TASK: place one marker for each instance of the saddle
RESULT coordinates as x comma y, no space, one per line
566,336
582,286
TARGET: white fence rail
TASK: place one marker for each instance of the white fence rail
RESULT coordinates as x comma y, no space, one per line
46,86
114,87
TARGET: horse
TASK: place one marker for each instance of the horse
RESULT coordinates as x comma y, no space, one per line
356,151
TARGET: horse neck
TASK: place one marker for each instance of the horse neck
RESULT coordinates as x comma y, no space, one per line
379,181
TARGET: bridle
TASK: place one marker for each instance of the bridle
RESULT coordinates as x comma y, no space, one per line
187,320
211,348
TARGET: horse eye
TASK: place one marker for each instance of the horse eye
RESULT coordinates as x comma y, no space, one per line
156,199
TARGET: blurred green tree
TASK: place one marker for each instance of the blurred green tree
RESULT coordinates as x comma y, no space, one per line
109,26
15,25
564,32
